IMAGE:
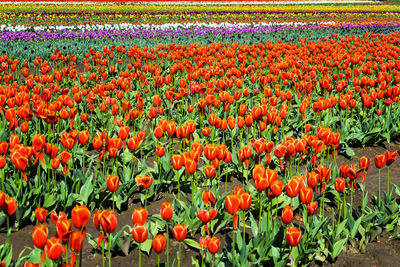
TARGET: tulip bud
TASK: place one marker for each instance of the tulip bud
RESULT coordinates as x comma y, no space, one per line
293,236
180,232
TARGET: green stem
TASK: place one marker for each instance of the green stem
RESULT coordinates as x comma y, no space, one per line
145,200
158,260
244,226
109,250
379,187
179,254
363,197
351,198
260,214
113,201
140,254
388,181
233,248
102,252
166,225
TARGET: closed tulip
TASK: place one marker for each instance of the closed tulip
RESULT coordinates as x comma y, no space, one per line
139,216
213,245
112,182
40,214
245,201
39,236
232,203
108,221
80,216
306,195
159,242
340,184
293,236
140,233
54,248
180,232
9,206
312,208
380,161
166,211
287,214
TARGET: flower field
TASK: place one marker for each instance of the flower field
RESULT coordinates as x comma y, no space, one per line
205,135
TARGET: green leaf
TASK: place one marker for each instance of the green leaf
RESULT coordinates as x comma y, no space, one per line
349,151
355,228
35,256
192,243
87,190
146,246
49,200
338,247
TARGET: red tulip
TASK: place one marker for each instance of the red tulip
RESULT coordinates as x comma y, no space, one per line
208,197
180,232
312,208
365,163
160,151
292,187
276,188
177,162
390,157
144,181
80,216
245,201
340,184
293,236
166,211
112,182
159,243
232,203
287,214
39,236
312,179
140,233
213,245
380,160
40,214
108,221
306,195
9,206
206,216
64,229
210,171
54,248
139,216
84,137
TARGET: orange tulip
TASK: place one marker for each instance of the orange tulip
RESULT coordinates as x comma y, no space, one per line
54,248
40,214
166,211
287,214
39,236
112,182
293,236
140,233
232,203
213,245
139,216
80,216
180,232
9,206
144,181
159,242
